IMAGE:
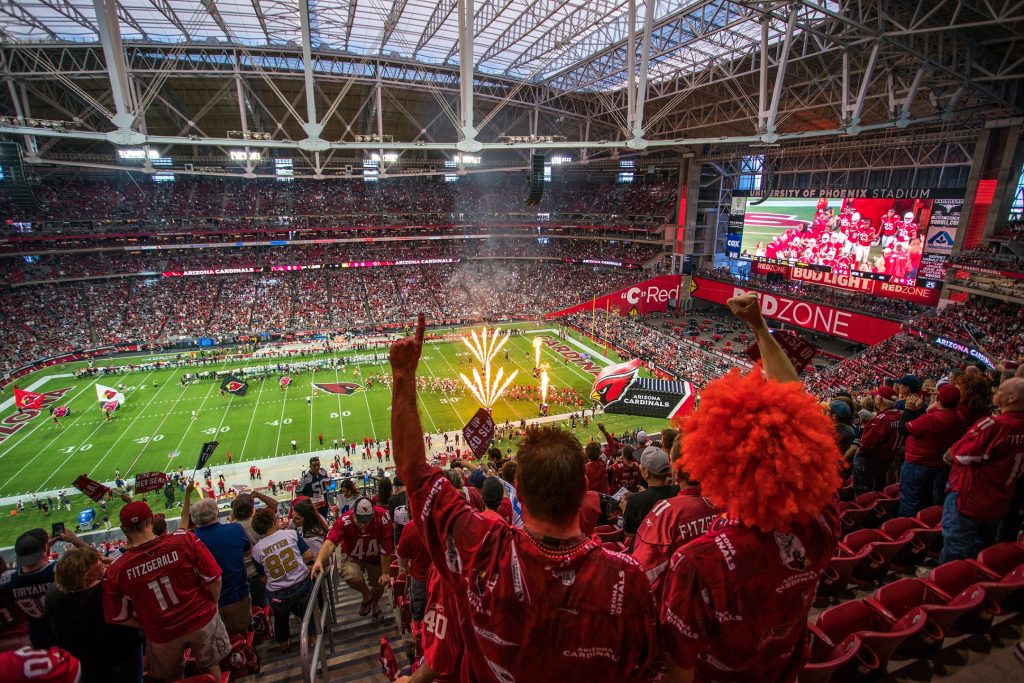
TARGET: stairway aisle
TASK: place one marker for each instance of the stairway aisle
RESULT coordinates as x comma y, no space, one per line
354,658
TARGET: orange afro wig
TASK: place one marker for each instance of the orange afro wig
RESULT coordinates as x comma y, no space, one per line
762,449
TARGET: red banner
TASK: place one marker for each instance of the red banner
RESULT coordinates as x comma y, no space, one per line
852,283
149,481
649,296
28,400
479,432
93,489
799,351
857,327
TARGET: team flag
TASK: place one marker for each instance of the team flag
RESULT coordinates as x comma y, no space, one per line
28,400
149,481
91,488
285,381
111,406
204,455
388,661
106,394
60,411
233,385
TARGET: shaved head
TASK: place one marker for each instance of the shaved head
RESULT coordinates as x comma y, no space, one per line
1010,396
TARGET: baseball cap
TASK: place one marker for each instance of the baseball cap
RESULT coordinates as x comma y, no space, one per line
135,512
26,666
912,382
476,478
948,396
30,546
887,393
841,409
641,437
363,510
397,481
655,461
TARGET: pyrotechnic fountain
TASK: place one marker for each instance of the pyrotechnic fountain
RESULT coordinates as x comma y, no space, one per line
485,388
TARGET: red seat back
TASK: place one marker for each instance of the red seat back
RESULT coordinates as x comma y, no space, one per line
931,517
1002,558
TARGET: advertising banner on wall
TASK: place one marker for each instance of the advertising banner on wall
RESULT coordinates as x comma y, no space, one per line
918,294
649,296
856,327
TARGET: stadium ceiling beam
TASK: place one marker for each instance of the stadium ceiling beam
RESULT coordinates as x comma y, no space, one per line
312,126
257,9
117,70
438,17
68,10
769,133
16,12
636,112
467,131
535,13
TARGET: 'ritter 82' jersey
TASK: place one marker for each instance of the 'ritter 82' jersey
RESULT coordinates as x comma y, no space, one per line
280,556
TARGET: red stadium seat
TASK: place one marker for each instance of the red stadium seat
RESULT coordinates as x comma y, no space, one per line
838,573
201,678
881,551
877,635
1001,559
931,517
852,516
828,658
1007,593
906,529
899,597
614,536
892,491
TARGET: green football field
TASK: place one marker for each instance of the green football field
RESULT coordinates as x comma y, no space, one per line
155,430
773,217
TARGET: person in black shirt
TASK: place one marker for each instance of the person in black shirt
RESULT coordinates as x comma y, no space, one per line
314,484
74,605
398,507
654,468
26,586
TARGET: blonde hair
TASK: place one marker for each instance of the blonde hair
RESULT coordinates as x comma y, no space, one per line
72,568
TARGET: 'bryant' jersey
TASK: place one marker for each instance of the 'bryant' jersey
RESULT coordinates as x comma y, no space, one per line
671,524
164,583
367,545
987,465
314,485
735,601
27,592
441,636
589,610
280,556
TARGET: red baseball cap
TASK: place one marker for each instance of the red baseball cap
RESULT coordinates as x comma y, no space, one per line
39,666
948,395
885,392
135,512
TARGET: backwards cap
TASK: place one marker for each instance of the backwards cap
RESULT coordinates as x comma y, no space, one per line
762,449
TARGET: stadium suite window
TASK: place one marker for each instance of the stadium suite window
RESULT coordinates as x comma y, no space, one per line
1017,206
750,173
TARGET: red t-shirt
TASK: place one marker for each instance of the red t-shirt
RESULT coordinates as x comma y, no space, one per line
597,476
365,545
625,475
590,511
164,584
670,525
881,440
735,601
987,465
505,510
410,546
441,636
582,614
931,435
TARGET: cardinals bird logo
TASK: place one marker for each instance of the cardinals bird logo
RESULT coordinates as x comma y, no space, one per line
342,388
612,383
233,386
109,394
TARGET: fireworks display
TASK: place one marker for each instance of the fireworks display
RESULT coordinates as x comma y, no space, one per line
488,387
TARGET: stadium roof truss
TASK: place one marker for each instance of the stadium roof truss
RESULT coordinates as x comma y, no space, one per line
467,76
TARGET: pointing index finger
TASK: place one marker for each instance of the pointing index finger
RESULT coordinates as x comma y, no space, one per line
421,324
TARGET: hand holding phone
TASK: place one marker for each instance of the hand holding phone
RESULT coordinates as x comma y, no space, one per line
58,530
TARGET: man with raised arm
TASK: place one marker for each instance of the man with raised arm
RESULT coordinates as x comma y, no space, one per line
541,602
734,601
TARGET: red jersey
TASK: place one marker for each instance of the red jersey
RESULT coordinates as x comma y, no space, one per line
163,583
588,613
410,546
987,464
590,512
881,440
735,601
931,435
670,525
597,476
865,237
625,475
441,632
889,224
366,545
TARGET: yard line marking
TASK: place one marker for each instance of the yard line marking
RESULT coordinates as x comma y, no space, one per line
126,429
280,421
502,398
41,423
341,419
252,418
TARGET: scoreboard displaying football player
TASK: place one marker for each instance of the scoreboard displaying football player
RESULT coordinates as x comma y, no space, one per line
892,235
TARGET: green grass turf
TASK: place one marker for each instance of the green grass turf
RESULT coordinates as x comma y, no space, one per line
156,422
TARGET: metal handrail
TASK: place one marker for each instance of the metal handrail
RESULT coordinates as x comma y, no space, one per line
314,661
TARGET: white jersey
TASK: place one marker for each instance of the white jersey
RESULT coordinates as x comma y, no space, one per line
280,556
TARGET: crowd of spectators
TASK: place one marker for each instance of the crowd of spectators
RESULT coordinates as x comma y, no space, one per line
998,326
74,204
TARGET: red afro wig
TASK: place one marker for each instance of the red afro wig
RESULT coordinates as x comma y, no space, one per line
762,449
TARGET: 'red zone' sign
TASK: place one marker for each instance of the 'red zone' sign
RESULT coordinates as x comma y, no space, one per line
837,322
12,424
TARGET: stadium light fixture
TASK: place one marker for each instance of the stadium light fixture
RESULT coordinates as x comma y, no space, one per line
529,139
242,155
248,135
389,157
137,154
557,160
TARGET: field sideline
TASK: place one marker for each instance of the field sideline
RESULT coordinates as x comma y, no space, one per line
155,430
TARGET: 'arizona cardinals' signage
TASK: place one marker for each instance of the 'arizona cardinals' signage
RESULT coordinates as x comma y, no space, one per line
340,388
620,389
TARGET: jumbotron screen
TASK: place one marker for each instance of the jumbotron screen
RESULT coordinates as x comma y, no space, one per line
899,236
